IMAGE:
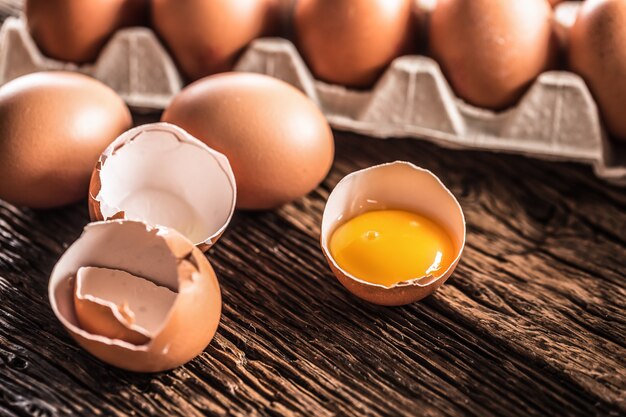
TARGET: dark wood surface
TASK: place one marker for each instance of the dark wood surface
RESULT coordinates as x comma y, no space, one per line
533,322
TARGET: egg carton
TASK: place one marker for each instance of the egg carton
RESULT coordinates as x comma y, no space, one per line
556,119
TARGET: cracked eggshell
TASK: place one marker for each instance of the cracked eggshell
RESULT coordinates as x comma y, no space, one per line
120,305
397,185
156,254
160,174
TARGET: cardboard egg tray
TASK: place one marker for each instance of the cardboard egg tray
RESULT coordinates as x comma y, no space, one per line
556,119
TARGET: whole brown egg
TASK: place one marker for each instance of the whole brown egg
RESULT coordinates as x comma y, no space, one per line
351,42
76,30
277,141
597,51
206,36
492,50
53,128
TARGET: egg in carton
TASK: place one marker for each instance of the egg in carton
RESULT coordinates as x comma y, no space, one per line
557,118
133,62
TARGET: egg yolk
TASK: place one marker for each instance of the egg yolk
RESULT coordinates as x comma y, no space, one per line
390,246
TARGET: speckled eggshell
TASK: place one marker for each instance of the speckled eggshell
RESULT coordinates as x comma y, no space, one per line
53,127
76,30
276,139
206,36
492,50
597,51
351,42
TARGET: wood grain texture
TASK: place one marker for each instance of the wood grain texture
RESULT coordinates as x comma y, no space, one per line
531,324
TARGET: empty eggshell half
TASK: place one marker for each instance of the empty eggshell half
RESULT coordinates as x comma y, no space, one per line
400,186
160,174
138,297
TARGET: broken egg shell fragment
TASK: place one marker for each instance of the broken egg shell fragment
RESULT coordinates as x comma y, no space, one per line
398,185
119,305
102,319
160,174
160,255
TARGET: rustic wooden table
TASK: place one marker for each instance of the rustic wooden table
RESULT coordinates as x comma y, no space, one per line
532,323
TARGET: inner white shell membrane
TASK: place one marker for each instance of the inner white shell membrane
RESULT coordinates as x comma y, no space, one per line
148,303
161,178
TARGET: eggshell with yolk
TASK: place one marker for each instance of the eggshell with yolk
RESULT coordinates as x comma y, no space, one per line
400,186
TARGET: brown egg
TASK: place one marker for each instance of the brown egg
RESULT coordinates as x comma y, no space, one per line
138,297
277,141
76,30
207,36
53,127
351,42
492,50
597,52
